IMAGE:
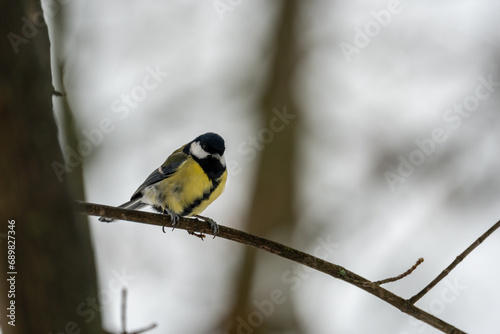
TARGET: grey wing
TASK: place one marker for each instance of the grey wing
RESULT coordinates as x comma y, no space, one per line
156,176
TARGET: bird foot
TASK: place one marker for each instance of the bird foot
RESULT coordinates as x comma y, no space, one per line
173,217
211,222
196,234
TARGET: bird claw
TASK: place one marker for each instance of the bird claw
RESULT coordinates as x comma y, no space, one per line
173,217
196,234
211,222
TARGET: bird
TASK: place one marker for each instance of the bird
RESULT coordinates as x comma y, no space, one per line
191,178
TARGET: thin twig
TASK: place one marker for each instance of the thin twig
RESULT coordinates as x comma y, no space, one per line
273,248
145,329
124,311
459,259
403,275
124,318
58,93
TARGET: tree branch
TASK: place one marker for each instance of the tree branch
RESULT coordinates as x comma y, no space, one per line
272,247
124,319
459,259
403,275
124,311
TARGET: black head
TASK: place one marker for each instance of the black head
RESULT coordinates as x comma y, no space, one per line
208,150
211,143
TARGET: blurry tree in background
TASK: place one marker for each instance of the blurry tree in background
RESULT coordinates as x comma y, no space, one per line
272,206
56,275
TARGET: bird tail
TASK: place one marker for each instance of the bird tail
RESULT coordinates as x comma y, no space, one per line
132,205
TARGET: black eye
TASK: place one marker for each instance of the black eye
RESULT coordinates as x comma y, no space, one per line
204,147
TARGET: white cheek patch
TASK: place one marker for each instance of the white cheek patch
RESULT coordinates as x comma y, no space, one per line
223,160
197,151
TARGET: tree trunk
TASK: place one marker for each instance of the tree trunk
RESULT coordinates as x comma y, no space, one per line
54,270
272,208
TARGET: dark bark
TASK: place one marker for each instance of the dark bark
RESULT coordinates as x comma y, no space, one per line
54,259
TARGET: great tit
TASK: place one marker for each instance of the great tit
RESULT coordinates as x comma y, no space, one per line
188,181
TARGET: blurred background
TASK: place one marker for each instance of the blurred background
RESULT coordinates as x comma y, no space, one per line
365,132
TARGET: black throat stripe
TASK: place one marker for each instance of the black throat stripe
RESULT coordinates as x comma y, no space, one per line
198,201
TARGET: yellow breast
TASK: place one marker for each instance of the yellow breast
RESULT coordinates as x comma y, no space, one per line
189,188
